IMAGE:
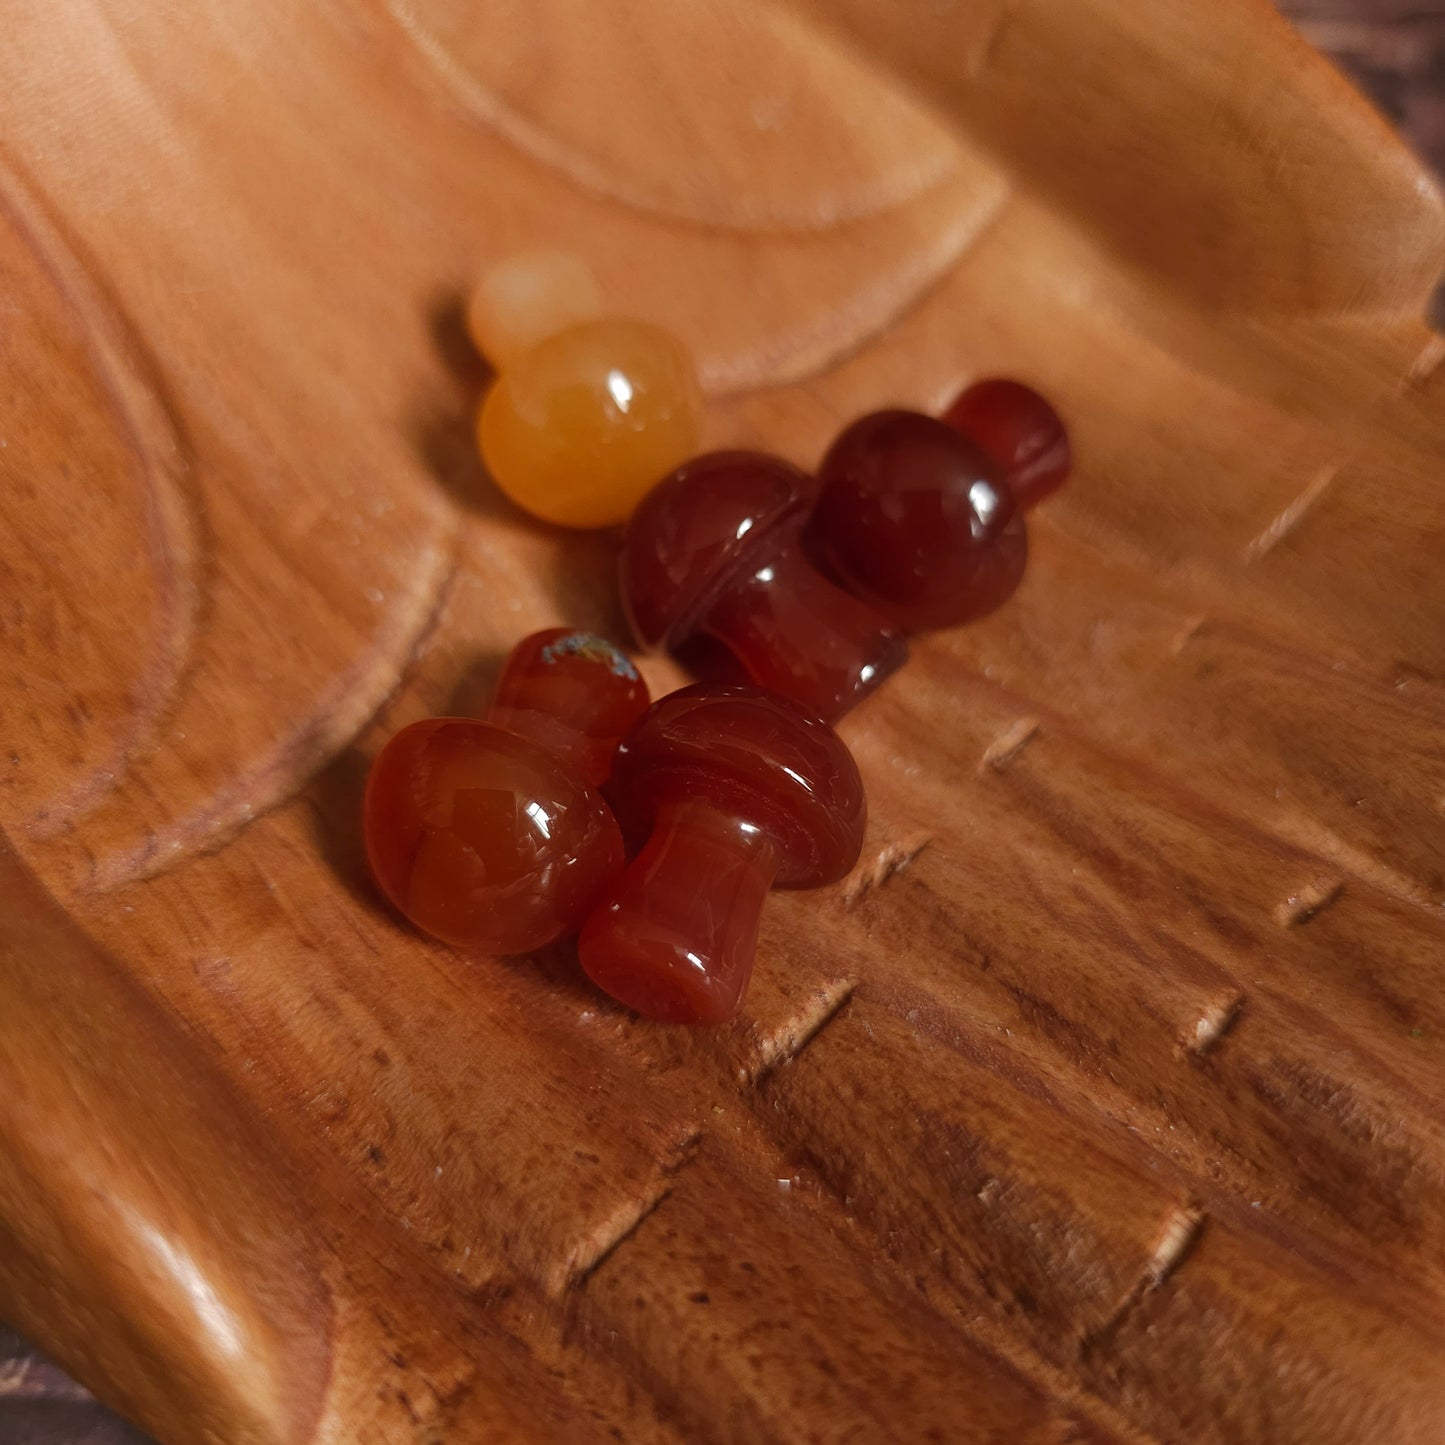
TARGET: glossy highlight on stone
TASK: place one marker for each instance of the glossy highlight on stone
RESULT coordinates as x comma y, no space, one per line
579,428
493,835
712,568
483,839
1019,432
736,791
913,519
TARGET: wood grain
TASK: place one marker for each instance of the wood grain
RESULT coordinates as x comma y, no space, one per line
1101,1102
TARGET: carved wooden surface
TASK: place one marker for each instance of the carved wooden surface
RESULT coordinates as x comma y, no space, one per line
1100,1104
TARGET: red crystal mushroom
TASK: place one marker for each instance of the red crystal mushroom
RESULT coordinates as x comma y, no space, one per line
913,519
574,693
1019,432
711,568
741,792
493,835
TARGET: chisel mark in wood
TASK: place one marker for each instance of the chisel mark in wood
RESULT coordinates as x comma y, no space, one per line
1427,363
1313,898
1289,519
1177,1237
789,1040
1213,1024
1178,1234
607,1233
593,1251
1187,634
983,53
683,1150
893,858
1008,744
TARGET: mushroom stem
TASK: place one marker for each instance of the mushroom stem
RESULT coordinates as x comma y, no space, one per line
790,629
676,938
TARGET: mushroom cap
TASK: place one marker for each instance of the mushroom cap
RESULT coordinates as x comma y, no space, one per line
695,530
914,519
483,838
572,692
755,757
1019,431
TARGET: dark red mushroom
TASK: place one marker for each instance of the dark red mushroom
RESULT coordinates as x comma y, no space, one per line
1019,432
739,792
492,835
711,569
913,519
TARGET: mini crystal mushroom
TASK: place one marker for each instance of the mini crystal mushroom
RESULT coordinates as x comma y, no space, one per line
492,835
741,792
587,409
1019,432
914,519
574,693
711,568
526,298
577,429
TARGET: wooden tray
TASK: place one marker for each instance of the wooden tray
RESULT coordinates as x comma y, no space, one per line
1101,1104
